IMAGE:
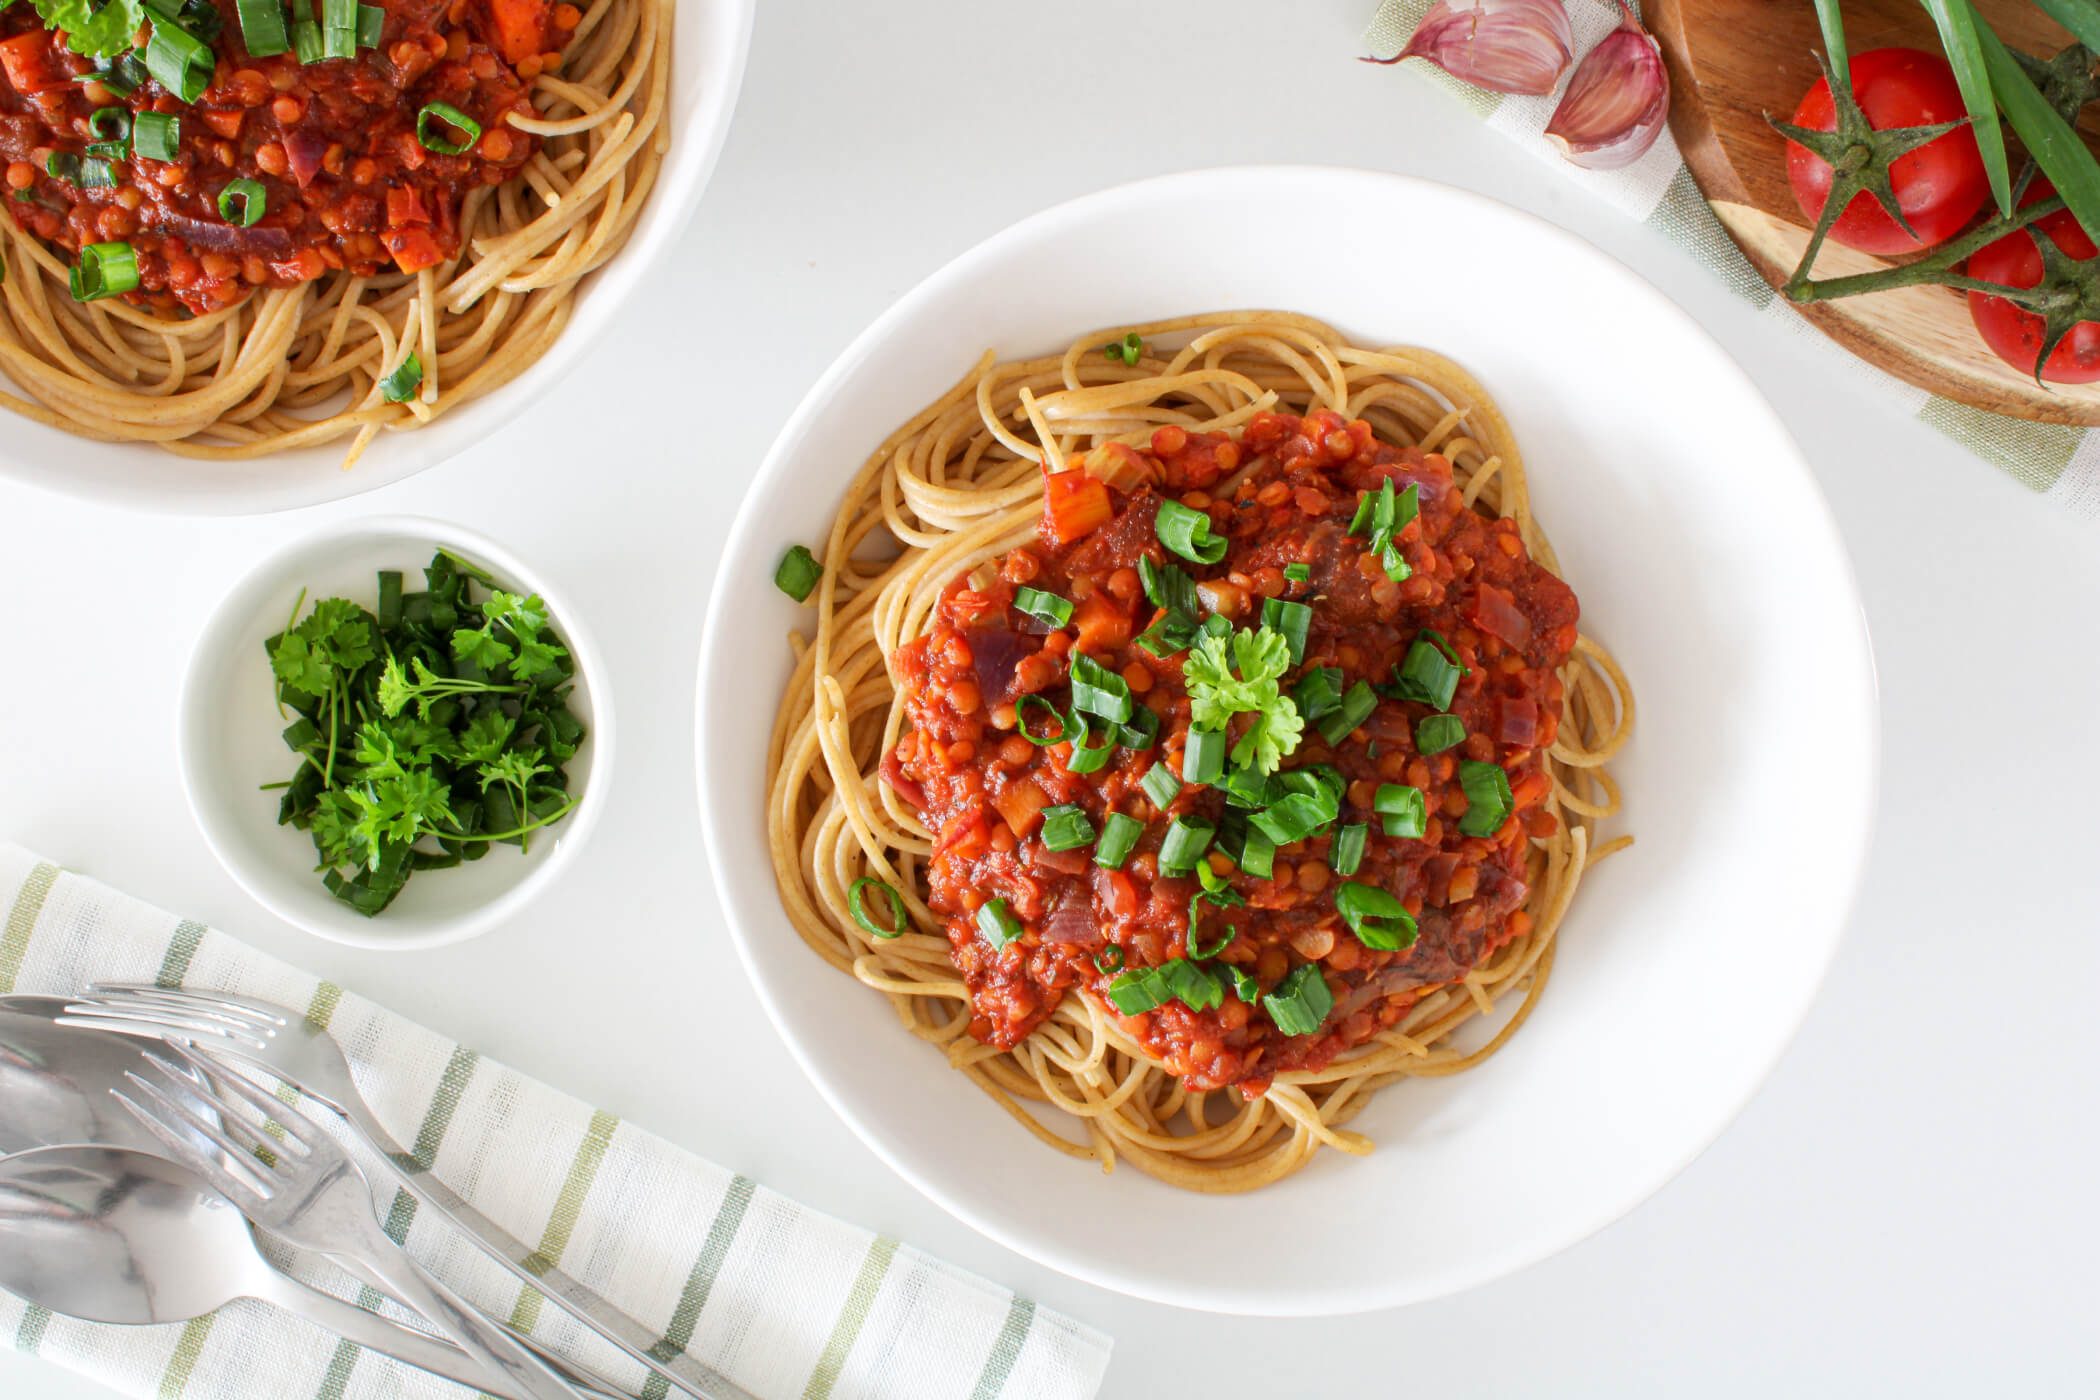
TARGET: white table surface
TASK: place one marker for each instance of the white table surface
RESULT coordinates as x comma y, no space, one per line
1907,1208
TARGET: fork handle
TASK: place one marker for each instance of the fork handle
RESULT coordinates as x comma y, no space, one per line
527,1376
684,1372
387,1337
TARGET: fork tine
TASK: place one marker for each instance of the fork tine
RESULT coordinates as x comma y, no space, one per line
238,1164
127,1021
194,1000
299,1127
190,1008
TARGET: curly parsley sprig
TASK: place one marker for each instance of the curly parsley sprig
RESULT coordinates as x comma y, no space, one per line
427,731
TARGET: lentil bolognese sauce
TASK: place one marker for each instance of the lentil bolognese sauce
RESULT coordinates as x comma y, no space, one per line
239,225
1209,757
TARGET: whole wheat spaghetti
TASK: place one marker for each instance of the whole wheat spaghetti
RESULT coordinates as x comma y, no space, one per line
248,370
934,685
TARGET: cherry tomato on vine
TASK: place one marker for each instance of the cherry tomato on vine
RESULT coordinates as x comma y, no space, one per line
2015,334
1939,186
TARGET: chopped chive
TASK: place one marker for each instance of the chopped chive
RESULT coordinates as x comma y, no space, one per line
407,381
1203,761
1300,1002
1488,798
1128,349
1292,620
1109,961
1356,707
1439,732
1160,784
1347,852
1119,837
1096,690
1186,840
1046,608
1376,918
1298,573
998,924
1187,532
1405,810
1066,828
798,572
897,927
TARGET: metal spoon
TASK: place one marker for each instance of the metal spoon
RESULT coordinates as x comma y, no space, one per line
117,1236
55,1081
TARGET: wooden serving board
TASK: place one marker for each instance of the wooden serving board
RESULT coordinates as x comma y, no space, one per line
1732,62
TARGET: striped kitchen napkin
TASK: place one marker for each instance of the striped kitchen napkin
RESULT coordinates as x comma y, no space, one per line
783,1300
2062,462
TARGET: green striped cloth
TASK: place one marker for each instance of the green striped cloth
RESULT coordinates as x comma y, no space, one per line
2062,462
781,1299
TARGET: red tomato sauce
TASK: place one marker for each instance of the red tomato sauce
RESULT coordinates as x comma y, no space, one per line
981,788
348,184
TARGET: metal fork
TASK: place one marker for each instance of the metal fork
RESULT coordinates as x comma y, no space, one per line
291,1047
306,1190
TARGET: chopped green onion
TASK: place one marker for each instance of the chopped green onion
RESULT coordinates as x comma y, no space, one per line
1187,533
1096,690
1046,608
178,61
1365,521
1109,961
798,572
1186,839
122,76
1064,727
1300,1002
898,926
87,172
1356,707
1299,812
426,129
1293,620
1487,795
1168,587
998,924
1139,989
1127,349
339,29
109,150
1198,990
1216,626
110,123
1216,888
1347,852
1066,828
1249,846
1298,573
1395,564
407,381
1244,787
1160,784
104,270
243,202
262,27
1405,810
1170,636
1319,693
1119,837
1430,672
1195,941
1141,732
1243,984
1089,758
371,24
306,41
1203,761
1439,732
1376,918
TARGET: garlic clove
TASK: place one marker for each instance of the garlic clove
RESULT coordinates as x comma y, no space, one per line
1520,46
1616,103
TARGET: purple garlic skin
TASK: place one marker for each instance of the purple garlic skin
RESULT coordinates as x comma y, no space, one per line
1519,46
1616,103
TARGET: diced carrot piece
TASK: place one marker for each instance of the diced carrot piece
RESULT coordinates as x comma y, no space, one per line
1102,622
227,124
1074,506
521,27
404,206
32,63
1022,804
413,248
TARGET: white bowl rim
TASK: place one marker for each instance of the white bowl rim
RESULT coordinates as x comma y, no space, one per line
680,187
575,829
1197,1294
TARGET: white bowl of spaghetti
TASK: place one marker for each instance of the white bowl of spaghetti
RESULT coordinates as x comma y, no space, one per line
1365,935
366,257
